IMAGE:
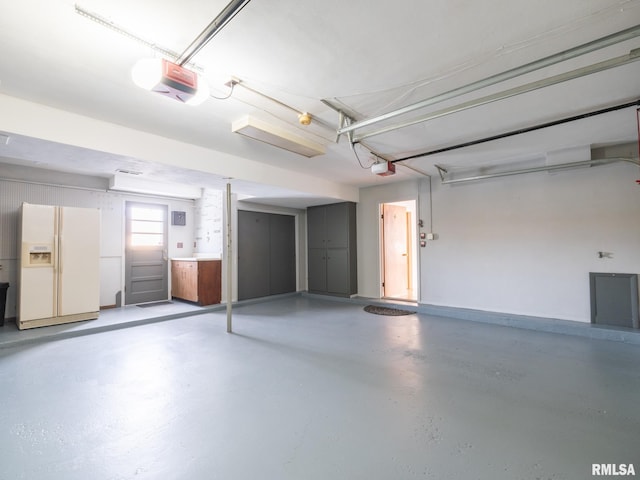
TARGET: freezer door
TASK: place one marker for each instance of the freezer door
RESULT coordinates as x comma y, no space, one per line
79,260
37,282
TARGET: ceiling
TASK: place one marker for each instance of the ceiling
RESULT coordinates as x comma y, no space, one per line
366,58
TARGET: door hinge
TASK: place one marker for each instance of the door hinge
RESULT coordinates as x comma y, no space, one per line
383,284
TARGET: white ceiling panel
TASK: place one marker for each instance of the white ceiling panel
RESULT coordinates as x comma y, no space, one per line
368,57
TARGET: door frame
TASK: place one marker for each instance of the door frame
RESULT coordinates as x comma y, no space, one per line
125,218
412,235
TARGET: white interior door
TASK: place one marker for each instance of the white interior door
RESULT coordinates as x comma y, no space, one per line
396,254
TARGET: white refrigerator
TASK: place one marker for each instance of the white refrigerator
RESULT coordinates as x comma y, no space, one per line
59,271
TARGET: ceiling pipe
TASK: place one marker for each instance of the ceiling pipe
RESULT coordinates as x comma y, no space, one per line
633,56
521,131
212,29
583,49
546,168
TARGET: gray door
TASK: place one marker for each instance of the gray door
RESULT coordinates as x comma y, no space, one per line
266,254
146,272
282,264
253,254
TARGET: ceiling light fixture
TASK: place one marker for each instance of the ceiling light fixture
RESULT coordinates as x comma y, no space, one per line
279,137
127,183
171,80
304,118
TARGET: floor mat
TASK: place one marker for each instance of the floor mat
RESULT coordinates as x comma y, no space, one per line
154,304
386,311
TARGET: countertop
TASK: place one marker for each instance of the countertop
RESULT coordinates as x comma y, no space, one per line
195,259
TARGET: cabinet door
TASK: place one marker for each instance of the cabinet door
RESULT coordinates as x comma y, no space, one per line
189,280
209,278
317,270
316,228
338,271
337,225
176,281
253,254
282,254
183,280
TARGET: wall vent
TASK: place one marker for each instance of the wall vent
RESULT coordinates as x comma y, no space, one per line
614,299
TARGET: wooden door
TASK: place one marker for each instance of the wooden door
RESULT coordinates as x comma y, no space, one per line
395,251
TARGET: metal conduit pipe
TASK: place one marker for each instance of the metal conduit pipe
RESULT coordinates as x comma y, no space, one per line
212,29
546,168
519,131
583,49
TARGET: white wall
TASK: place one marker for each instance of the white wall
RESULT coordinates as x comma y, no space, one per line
523,244
209,223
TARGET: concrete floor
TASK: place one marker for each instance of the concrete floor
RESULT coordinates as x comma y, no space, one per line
308,388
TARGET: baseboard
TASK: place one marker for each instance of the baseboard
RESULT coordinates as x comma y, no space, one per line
541,324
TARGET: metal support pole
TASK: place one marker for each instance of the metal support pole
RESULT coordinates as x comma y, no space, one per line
229,260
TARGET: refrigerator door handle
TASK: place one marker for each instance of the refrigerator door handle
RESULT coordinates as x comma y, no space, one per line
164,254
59,250
54,260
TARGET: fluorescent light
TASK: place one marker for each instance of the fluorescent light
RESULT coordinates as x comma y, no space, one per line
279,137
169,79
128,183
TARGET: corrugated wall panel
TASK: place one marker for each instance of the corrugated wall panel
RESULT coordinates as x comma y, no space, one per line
13,194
